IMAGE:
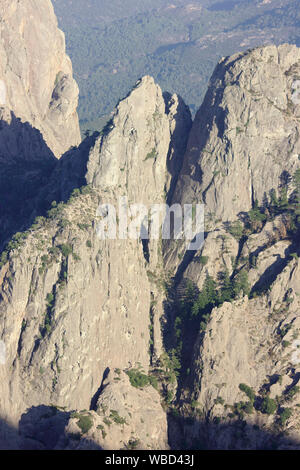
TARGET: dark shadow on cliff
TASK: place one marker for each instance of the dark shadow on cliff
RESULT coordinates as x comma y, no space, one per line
102,387
194,433
271,273
68,174
25,165
31,177
181,294
9,437
40,428
43,428
179,140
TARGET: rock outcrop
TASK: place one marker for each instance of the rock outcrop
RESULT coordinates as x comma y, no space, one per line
74,305
36,74
246,132
241,158
252,342
38,101
125,417
126,342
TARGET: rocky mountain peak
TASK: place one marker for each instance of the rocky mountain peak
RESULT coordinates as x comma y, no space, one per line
245,132
36,73
136,139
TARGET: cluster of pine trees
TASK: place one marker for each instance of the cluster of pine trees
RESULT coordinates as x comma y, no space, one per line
278,204
195,308
214,294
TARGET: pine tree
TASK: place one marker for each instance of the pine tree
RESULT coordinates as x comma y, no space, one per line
274,202
241,283
296,182
256,217
283,198
226,289
207,298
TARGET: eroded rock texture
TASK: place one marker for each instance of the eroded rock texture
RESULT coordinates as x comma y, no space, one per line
37,73
38,101
74,305
128,343
246,134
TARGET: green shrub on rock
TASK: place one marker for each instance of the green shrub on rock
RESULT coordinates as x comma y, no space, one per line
268,406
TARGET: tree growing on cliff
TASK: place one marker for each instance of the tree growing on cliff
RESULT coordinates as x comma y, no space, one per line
256,217
296,182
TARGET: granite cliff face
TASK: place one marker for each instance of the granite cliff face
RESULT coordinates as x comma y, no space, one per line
67,289
246,131
131,343
36,73
242,287
38,101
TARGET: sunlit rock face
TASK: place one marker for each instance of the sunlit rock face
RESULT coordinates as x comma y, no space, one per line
36,82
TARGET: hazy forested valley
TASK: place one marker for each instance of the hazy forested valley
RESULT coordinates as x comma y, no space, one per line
178,42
